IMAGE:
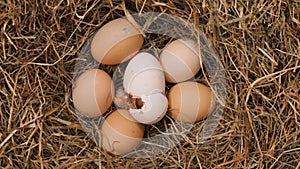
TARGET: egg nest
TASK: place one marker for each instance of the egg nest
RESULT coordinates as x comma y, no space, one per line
162,136
258,44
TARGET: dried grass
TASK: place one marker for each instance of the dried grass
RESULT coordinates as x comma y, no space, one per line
259,46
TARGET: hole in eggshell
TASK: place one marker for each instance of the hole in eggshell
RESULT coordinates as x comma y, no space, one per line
136,103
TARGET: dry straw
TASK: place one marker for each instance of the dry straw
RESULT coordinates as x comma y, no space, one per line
259,46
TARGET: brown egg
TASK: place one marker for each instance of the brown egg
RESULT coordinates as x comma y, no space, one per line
190,101
93,92
116,42
121,134
179,60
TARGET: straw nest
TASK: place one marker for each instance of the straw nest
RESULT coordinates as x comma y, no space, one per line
259,47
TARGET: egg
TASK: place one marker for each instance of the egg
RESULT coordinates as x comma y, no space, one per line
121,134
144,75
190,101
116,42
180,60
93,92
153,109
144,81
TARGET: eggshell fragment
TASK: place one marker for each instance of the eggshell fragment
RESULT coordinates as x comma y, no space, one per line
190,101
121,134
116,42
153,110
93,92
180,60
144,76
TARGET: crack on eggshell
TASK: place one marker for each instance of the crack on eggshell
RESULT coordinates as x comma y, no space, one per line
136,102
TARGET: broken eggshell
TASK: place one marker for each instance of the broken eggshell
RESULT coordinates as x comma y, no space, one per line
144,82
